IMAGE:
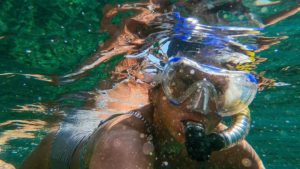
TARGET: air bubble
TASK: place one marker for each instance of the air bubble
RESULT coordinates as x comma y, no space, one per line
165,163
28,51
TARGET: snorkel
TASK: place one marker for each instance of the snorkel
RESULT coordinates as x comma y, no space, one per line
200,86
200,145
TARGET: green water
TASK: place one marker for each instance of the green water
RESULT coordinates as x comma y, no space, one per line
53,37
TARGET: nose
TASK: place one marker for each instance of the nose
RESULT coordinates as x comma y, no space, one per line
205,98
201,101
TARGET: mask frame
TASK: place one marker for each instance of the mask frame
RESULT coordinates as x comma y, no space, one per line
240,92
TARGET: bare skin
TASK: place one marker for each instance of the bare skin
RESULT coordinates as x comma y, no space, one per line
126,41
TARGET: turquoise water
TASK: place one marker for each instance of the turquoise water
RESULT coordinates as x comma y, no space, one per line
52,38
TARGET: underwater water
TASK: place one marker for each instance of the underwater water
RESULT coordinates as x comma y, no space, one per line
53,37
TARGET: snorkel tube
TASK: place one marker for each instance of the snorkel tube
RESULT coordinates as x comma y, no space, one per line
238,130
200,146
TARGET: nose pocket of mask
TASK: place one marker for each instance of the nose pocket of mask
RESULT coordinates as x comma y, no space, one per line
205,97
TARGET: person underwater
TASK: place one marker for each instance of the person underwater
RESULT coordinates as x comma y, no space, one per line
179,126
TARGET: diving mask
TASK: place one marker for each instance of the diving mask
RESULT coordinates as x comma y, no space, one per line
202,85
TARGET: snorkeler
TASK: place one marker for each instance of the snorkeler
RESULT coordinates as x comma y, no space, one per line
178,127
182,121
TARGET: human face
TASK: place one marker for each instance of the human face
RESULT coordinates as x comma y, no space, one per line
199,93
172,118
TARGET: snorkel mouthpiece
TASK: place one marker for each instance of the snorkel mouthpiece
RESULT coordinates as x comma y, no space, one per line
200,146
197,146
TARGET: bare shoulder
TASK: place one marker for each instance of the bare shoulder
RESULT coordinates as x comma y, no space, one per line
122,143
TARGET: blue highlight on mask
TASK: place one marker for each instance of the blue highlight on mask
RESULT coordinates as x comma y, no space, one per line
174,103
252,78
251,47
175,59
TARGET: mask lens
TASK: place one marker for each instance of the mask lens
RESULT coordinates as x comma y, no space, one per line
180,82
242,88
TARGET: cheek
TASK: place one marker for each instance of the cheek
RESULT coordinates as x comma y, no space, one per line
175,128
171,120
167,114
